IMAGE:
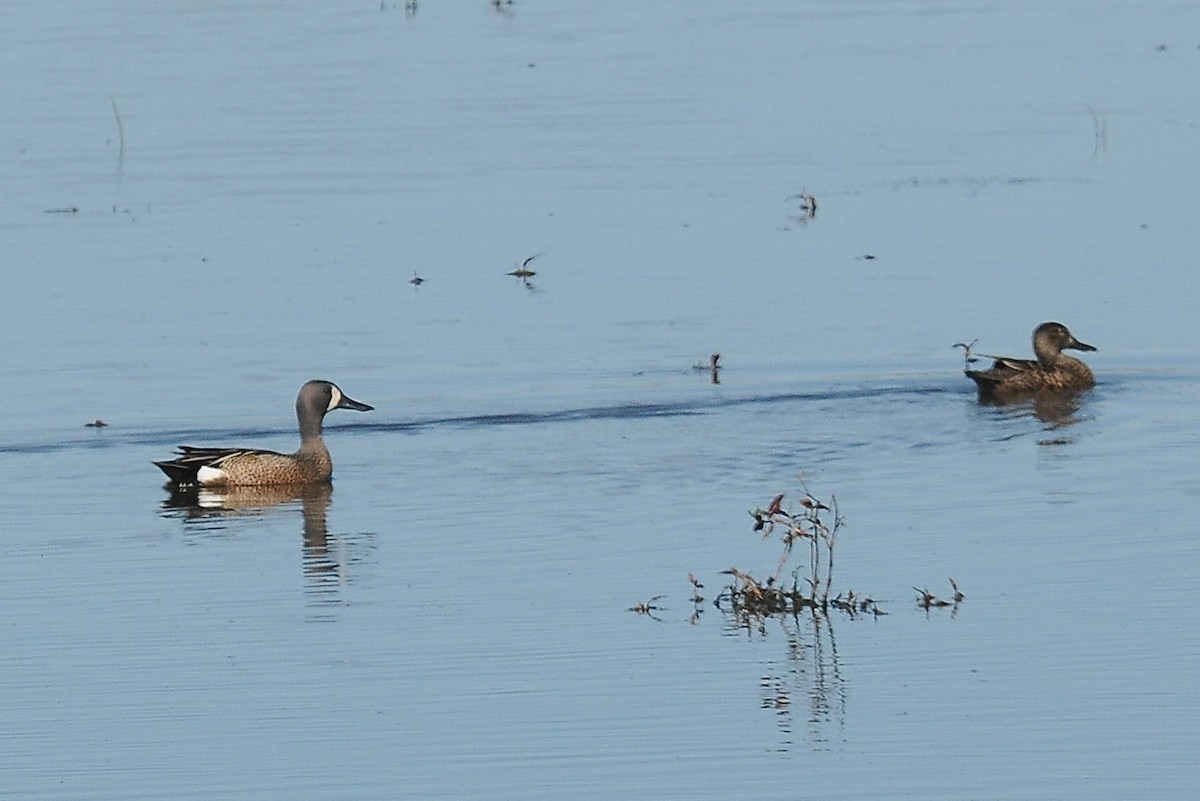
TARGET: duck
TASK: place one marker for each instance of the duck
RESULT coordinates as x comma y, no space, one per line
254,467
1051,372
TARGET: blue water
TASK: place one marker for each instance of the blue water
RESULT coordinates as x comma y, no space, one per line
209,205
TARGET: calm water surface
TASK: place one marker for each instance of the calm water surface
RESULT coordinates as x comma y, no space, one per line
209,205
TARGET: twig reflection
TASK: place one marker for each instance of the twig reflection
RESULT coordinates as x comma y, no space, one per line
807,680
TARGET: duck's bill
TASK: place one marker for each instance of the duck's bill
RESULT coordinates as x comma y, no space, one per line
350,403
1077,345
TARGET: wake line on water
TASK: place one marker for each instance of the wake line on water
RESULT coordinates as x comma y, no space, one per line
108,438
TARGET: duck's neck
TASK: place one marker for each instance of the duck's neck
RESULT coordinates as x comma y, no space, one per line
1047,357
314,459
1069,364
310,429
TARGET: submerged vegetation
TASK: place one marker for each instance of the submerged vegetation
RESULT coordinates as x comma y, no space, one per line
807,587
815,523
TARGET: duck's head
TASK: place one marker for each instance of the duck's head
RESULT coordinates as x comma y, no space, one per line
1051,339
317,398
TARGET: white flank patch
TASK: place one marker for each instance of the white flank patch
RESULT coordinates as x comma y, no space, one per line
335,400
207,475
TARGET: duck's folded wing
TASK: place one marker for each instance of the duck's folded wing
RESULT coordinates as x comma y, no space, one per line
1015,365
1002,369
182,469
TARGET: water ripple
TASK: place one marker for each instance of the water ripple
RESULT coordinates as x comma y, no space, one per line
108,438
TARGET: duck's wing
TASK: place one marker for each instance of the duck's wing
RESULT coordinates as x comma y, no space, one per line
1010,365
183,467
1003,369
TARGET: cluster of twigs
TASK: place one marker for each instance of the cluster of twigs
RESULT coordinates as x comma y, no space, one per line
815,523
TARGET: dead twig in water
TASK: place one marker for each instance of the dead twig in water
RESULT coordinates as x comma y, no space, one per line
120,135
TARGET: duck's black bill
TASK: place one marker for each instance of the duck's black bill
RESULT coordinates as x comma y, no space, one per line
351,403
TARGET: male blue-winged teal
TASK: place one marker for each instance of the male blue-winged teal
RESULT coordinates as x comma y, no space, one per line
251,467
1052,372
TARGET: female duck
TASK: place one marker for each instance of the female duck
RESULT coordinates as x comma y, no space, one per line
1052,372
251,467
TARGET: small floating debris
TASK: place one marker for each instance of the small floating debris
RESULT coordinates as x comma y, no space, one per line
647,608
806,204
416,280
804,211
927,600
711,367
523,272
64,210
97,423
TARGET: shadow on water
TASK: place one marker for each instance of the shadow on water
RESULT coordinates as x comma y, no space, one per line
327,558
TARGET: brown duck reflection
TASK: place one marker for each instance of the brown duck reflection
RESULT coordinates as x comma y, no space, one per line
213,509
1059,411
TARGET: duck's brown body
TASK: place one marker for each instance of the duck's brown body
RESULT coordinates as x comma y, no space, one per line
1051,372
252,467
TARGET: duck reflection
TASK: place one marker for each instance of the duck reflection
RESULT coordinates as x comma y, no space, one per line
326,557
1057,411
